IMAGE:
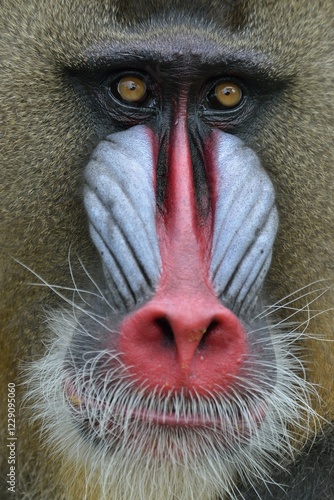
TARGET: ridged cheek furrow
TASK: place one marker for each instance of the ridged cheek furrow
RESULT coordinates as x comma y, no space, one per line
245,221
120,202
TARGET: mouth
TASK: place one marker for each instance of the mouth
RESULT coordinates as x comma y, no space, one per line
103,416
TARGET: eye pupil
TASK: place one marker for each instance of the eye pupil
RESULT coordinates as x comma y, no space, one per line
131,88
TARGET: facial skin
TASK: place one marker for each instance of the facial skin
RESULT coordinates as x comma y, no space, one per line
168,188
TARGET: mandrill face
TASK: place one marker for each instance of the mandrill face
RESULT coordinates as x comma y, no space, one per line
169,363
168,181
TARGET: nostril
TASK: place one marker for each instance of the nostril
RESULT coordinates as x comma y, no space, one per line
212,328
166,331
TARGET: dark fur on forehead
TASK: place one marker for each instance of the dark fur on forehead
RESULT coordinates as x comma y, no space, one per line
228,11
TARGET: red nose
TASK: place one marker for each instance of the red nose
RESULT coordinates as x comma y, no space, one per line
174,343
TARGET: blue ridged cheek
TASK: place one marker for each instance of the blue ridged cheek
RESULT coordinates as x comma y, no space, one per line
120,202
245,223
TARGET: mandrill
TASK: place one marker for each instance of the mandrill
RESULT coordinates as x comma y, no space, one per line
167,249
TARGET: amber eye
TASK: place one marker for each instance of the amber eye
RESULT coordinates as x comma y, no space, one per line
228,94
131,88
